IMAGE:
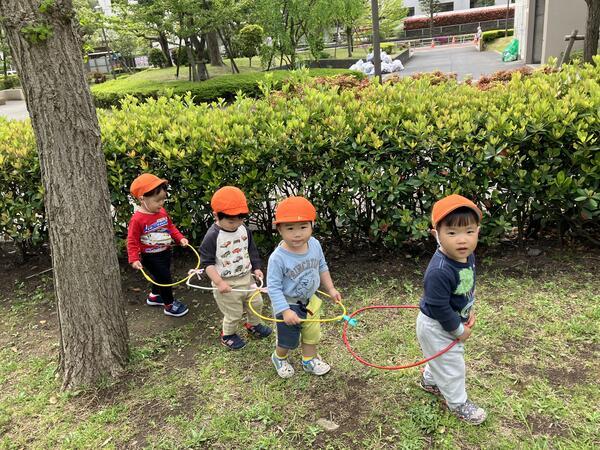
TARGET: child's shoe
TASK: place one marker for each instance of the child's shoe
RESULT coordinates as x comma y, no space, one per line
470,413
232,341
431,388
155,300
316,366
283,366
176,309
258,331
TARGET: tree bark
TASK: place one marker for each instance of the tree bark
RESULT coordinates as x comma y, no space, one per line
349,38
214,54
226,44
93,328
200,57
164,45
592,30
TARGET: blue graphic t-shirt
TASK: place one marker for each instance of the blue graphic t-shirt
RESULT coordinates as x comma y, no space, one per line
449,291
293,277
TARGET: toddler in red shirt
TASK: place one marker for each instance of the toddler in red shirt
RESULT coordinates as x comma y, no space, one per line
149,238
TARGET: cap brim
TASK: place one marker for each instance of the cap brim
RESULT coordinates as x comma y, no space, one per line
235,211
455,207
293,219
155,184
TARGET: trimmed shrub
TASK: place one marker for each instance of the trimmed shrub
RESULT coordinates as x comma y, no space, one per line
489,36
11,81
157,58
111,93
458,17
373,158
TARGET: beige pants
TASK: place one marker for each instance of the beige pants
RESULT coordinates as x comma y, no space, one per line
233,304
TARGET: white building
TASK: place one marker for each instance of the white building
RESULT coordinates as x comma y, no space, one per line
541,27
414,6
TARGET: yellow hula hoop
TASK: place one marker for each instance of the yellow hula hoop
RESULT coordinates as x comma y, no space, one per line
271,319
147,277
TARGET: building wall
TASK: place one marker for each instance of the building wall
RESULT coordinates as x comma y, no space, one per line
457,5
561,19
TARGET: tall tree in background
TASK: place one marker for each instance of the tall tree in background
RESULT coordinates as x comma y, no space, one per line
592,30
348,13
46,49
430,7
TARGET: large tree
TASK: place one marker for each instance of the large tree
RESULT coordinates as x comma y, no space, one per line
592,30
430,7
46,48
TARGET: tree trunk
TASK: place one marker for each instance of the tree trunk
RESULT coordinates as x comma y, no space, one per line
200,57
214,54
194,75
226,44
93,328
164,45
592,30
349,38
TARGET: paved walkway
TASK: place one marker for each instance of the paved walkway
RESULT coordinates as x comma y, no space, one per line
462,60
14,109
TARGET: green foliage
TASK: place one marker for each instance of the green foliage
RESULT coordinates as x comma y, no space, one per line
488,36
250,39
9,82
38,33
373,160
157,58
227,87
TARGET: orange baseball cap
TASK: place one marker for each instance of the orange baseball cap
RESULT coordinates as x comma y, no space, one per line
445,206
145,183
229,200
295,209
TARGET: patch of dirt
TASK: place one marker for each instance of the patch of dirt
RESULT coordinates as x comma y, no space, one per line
542,425
570,376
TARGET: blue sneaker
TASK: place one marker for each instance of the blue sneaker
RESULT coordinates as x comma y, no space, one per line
154,300
176,309
258,331
232,341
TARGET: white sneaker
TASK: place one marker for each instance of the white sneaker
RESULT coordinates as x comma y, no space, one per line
283,366
316,366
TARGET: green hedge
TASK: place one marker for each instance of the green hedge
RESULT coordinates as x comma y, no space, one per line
489,36
9,82
227,87
373,158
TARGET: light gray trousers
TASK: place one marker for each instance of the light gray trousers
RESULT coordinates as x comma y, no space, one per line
447,371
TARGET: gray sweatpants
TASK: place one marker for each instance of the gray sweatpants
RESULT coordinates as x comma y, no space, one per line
447,371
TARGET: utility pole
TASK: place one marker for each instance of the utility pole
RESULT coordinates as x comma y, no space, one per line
376,47
506,21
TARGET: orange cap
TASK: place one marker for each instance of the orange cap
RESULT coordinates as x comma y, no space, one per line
445,206
145,183
295,209
229,200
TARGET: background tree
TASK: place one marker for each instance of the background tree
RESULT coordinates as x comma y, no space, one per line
47,53
430,7
250,39
391,13
348,14
156,58
592,30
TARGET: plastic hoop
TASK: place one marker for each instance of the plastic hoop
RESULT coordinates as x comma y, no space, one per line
343,316
180,281
199,272
356,356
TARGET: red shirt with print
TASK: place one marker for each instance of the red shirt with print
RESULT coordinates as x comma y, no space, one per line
150,233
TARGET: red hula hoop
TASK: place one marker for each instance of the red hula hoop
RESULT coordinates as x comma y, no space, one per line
404,366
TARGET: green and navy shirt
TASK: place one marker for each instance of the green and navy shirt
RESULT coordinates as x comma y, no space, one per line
449,291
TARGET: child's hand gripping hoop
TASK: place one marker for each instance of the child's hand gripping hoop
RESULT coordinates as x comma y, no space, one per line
470,324
344,316
257,287
190,273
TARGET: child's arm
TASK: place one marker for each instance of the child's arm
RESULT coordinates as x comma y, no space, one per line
134,234
208,257
327,284
438,290
175,233
254,256
278,302
325,277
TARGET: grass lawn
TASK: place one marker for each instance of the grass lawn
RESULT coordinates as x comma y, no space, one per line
533,363
498,45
